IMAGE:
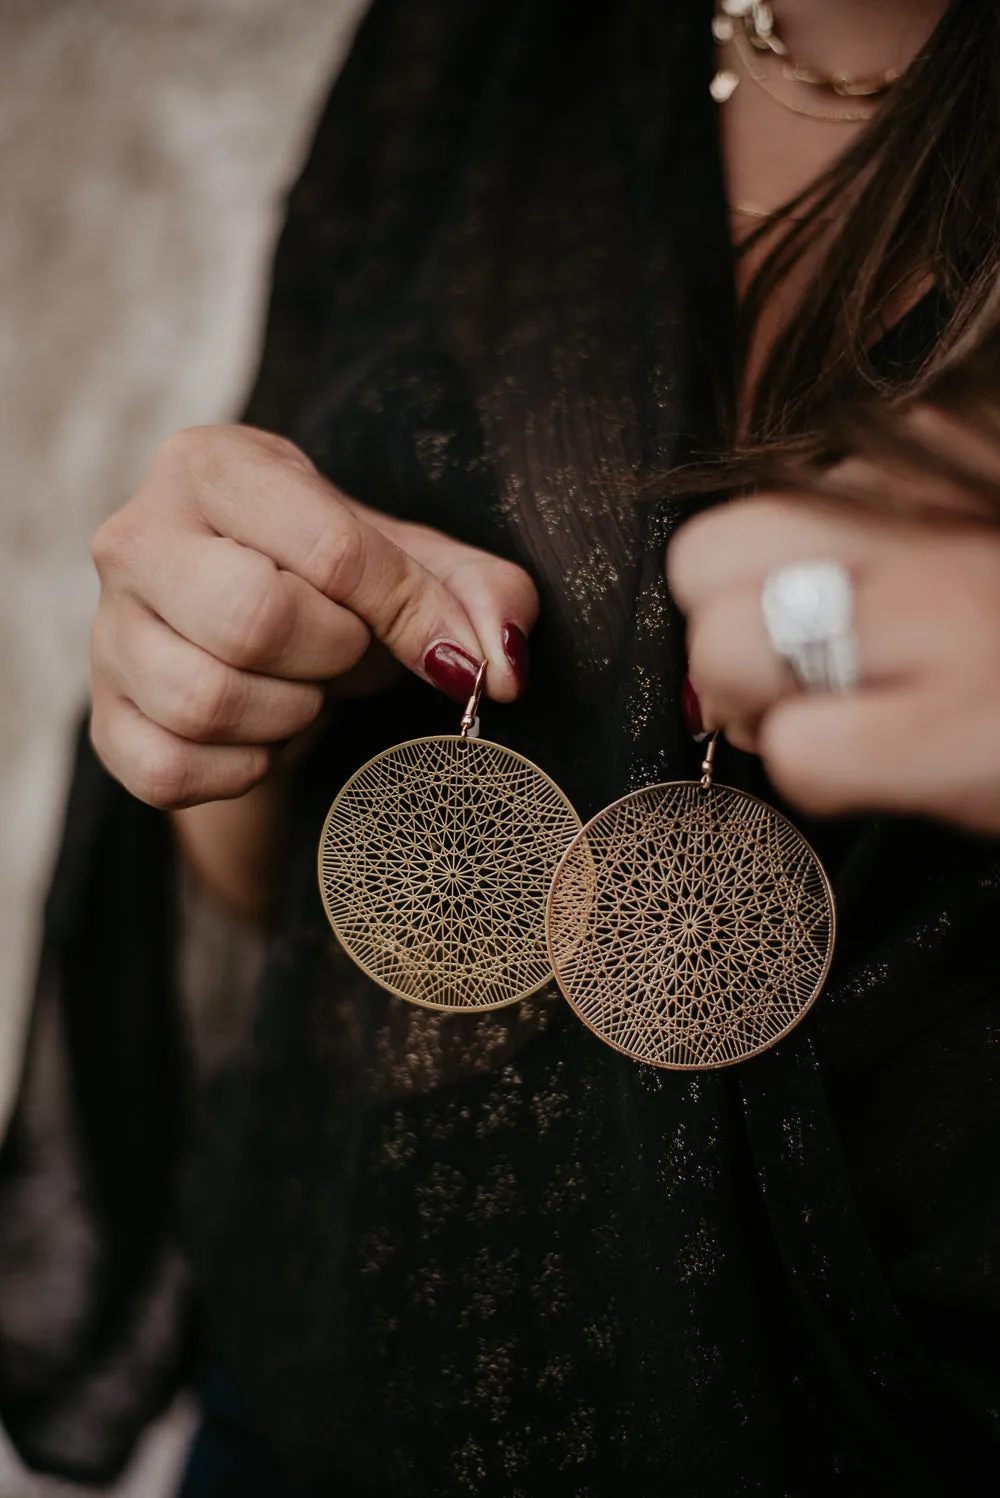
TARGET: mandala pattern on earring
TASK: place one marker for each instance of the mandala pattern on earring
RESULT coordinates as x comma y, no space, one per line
690,927
435,865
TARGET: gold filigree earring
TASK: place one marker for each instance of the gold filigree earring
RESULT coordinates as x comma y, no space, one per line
690,925
435,864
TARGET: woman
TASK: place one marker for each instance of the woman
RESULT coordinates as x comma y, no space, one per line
454,1254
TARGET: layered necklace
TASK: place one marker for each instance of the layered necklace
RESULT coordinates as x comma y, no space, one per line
749,26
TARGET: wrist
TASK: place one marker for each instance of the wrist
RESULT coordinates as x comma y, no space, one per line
234,848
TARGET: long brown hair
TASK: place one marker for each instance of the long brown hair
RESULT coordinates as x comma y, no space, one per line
917,193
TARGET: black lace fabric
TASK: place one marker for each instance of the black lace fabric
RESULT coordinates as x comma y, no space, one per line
447,1254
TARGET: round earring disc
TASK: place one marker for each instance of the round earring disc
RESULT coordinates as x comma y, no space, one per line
435,865
690,928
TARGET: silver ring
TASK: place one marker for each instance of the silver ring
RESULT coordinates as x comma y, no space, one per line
808,610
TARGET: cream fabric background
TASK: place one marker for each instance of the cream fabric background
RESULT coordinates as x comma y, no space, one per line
144,146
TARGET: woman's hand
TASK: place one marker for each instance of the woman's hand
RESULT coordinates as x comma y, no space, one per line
237,583
922,732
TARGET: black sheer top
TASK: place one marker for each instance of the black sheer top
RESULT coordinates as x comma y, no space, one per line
443,1255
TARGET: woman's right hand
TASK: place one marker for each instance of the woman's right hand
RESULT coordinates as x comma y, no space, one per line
237,583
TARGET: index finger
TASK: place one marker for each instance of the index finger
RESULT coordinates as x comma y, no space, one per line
290,513
743,541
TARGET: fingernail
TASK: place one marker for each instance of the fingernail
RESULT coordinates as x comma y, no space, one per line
451,669
691,708
515,648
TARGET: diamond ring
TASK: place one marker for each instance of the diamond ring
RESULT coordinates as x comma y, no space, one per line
808,610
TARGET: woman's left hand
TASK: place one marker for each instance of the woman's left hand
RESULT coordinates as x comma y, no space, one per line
921,734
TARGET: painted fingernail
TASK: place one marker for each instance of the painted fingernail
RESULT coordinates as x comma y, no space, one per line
451,669
515,648
691,708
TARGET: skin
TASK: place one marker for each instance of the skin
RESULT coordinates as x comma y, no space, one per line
922,734
770,155
240,590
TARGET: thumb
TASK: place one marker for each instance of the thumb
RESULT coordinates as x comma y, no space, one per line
498,597
353,559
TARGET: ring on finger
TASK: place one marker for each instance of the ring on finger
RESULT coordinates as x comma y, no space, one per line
808,610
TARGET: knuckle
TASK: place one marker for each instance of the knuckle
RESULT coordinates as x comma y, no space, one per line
208,704
152,766
182,449
163,777
102,545
244,768
336,560
193,459
271,445
259,619
115,543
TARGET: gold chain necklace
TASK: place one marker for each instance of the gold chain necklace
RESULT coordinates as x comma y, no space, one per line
749,25
751,210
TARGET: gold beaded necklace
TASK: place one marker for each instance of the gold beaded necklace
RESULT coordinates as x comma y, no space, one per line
749,25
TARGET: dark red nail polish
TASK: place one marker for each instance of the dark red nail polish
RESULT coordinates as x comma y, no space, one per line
691,708
515,648
452,669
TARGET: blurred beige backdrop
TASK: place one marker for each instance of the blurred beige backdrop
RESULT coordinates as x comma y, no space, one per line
144,148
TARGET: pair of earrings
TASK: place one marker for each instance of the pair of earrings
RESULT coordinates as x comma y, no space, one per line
688,924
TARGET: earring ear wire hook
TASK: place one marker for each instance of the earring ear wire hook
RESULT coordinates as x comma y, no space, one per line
708,763
470,718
